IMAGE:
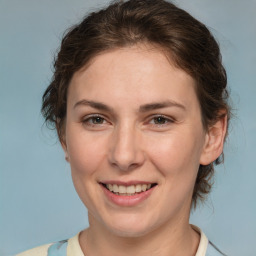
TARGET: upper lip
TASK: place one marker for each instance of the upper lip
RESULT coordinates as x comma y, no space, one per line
126,183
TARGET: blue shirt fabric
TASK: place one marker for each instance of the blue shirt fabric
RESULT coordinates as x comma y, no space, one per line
212,250
58,249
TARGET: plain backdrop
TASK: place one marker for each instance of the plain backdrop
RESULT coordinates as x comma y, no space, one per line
38,203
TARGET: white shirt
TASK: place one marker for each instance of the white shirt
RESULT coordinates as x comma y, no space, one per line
74,248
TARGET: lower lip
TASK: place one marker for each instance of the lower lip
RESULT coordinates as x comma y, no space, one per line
127,200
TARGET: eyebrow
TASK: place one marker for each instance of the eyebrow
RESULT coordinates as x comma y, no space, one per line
142,109
159,105
94,104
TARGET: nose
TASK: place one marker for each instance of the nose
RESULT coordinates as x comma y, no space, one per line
126,149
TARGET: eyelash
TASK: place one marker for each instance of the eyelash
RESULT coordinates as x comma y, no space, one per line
88,121
167,120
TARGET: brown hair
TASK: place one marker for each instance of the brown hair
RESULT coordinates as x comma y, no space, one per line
188,42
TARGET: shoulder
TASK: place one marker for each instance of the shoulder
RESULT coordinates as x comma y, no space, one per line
66,247
206,247
38,251
212,250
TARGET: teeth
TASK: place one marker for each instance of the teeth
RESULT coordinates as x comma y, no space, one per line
115,188
144,187
128,190
122,189
138,188
110,187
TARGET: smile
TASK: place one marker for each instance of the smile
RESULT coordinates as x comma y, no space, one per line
127,194
130,190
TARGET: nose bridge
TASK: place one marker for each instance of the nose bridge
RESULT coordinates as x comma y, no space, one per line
126,151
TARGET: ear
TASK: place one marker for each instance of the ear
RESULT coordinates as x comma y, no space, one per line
65,149
61,134
214,141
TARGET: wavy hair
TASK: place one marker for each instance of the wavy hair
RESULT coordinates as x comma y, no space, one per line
188,43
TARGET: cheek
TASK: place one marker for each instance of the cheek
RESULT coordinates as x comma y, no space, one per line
86,154
176,157
86,151
176,154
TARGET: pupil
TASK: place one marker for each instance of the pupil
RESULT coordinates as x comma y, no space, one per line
160,120
97,120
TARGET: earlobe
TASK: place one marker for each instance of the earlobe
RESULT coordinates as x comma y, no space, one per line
60,124
67,158
214,141
64,146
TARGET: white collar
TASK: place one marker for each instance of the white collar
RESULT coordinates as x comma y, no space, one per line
202,248
74,247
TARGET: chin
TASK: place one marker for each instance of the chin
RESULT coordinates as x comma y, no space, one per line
130,228
130,233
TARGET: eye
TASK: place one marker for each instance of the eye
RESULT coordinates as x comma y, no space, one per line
94,120
160,120
97,120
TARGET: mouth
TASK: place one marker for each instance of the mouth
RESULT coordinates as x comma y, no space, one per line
130,190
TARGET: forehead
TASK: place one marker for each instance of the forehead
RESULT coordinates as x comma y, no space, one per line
141,73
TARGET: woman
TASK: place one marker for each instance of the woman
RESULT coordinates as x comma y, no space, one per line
139,101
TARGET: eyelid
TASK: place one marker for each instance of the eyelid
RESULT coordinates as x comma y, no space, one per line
92,115
169,119
163,116
85,119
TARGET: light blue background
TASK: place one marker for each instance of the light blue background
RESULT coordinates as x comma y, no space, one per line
37,199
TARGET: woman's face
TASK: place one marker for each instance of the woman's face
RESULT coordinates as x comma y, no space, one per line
133,124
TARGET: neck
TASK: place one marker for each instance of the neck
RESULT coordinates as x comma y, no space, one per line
171,239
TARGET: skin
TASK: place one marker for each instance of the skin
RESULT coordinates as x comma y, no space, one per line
128,141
